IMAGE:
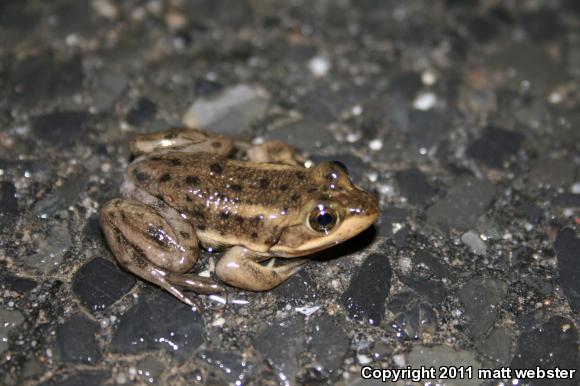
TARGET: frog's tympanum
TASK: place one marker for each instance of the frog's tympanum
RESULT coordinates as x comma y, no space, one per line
183,190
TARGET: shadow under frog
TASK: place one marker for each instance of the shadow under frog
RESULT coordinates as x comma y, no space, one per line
183,190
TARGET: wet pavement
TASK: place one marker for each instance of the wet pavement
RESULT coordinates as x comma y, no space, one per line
462,117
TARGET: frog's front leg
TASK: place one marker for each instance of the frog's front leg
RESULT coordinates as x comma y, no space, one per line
240,268
158,248
181,140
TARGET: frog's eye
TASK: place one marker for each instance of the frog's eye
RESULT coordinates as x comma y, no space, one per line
322,218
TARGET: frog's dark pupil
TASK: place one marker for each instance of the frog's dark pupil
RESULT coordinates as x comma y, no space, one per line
324,219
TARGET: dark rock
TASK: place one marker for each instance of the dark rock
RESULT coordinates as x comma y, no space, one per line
73,18
414,186
291,336
19,284
566,200
109,86
554,344
307,135
495,147
529,211
204,87
230,366
18,15
406,85
8,202
142,112
100,283
60,129
433,290
435,264
75,340
567,247
83,377
158,320
329,343
466,201
480,298
427,129
10,320
369,287
556,173
542,24
483,29
497,345
43,79
298,288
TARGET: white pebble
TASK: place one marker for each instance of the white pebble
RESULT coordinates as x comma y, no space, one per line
399,360
319,66
219,322
363,359
428,78
376,144
425,101
576,188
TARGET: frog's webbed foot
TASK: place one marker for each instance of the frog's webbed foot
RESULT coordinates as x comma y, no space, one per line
158,248
275,151
239,268
181,140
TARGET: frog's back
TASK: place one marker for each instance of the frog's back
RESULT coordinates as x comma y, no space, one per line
231,198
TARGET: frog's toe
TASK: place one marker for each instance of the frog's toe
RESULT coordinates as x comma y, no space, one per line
195,283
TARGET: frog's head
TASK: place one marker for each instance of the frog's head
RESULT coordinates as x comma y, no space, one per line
332,211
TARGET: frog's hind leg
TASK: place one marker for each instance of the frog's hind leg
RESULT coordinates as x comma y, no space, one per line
275,151
159,249
181,140
239,268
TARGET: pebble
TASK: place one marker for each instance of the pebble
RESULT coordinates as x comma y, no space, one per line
60,129
465,202
553,344
369,287
232,111
10,320
76,342
305,134
443,355
480,298
99,283
425,101
158,321
555,173
329,342
414,186
291,336
567,248
51,247
108,88
319,66
8,203
495,147
474,242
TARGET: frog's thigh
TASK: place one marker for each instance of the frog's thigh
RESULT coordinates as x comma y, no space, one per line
275,151
239,268
182,140
156,248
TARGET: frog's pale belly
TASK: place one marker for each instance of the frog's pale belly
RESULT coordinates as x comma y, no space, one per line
183,190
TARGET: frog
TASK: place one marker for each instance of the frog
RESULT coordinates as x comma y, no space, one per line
187,189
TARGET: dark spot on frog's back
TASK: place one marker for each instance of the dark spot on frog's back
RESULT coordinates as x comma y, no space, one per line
295,197
224,215
216,168
191,180
300,175
165,177
141,176
239,219
236,187
264,183
284,187
175,162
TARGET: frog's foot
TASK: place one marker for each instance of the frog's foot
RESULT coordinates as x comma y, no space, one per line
182,140
239,268
275,151
159,249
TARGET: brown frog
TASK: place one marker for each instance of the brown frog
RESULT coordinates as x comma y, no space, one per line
183,189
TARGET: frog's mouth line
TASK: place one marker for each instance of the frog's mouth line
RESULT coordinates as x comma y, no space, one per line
350,227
